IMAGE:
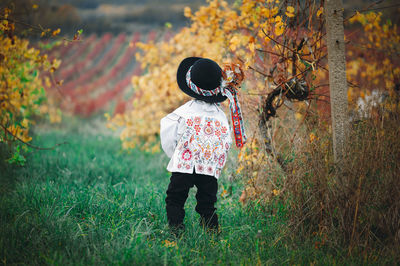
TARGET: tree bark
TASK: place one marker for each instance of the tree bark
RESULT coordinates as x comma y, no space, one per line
337,76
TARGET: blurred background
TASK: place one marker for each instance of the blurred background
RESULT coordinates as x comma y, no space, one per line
95,72
128,16
101,16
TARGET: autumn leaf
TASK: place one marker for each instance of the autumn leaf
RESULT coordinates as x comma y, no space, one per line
252,47
168,243
234,43
77,34
187,12
224,192
289,11
279,29
312,137
320,11
56,32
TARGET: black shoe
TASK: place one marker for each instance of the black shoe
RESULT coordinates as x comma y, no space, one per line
209,222
177,230
211,225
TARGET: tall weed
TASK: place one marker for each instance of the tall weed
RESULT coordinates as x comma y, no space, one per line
355,204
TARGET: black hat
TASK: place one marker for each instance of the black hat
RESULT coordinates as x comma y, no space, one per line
205,73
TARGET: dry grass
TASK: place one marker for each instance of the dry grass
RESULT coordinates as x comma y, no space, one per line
356,204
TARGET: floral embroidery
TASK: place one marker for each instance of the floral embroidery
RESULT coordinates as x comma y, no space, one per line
187,155
200,168
207,154
224,129
215,157
208,130
204,145
197,128
221,160
209,169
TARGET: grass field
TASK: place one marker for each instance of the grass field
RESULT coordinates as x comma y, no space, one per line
87,202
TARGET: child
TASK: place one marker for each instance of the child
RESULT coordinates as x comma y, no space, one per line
196,137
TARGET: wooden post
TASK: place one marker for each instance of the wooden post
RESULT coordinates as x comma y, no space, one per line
337,76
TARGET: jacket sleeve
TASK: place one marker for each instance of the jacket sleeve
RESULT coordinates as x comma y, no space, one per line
170,132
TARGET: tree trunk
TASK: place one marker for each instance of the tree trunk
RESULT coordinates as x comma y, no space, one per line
337,76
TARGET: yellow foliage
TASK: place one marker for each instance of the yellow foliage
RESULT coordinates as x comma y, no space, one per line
289,11
22,94
320,11
56,32
313,137
216,30
298,116
378,65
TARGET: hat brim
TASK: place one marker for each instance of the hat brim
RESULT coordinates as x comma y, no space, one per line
181,79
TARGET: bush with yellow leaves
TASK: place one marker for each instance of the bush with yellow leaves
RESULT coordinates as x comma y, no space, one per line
223,32
22,93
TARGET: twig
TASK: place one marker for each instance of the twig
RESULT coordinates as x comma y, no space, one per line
356,212
297,128
380,8
272,39
363,10
295,76
30,145
266,51
38,28
253,68
320,95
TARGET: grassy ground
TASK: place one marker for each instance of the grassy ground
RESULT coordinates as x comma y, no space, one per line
87,202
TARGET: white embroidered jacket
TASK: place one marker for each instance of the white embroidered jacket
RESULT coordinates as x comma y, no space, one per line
196,136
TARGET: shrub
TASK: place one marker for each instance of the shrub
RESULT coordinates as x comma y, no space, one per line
22,94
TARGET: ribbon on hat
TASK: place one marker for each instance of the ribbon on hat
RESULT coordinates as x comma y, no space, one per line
232,76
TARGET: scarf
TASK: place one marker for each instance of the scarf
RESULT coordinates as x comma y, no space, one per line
228,89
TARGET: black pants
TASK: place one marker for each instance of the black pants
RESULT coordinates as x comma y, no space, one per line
206,196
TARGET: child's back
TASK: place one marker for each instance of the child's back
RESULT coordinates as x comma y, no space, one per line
196,137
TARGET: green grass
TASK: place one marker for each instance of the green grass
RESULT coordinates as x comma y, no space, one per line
87,202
